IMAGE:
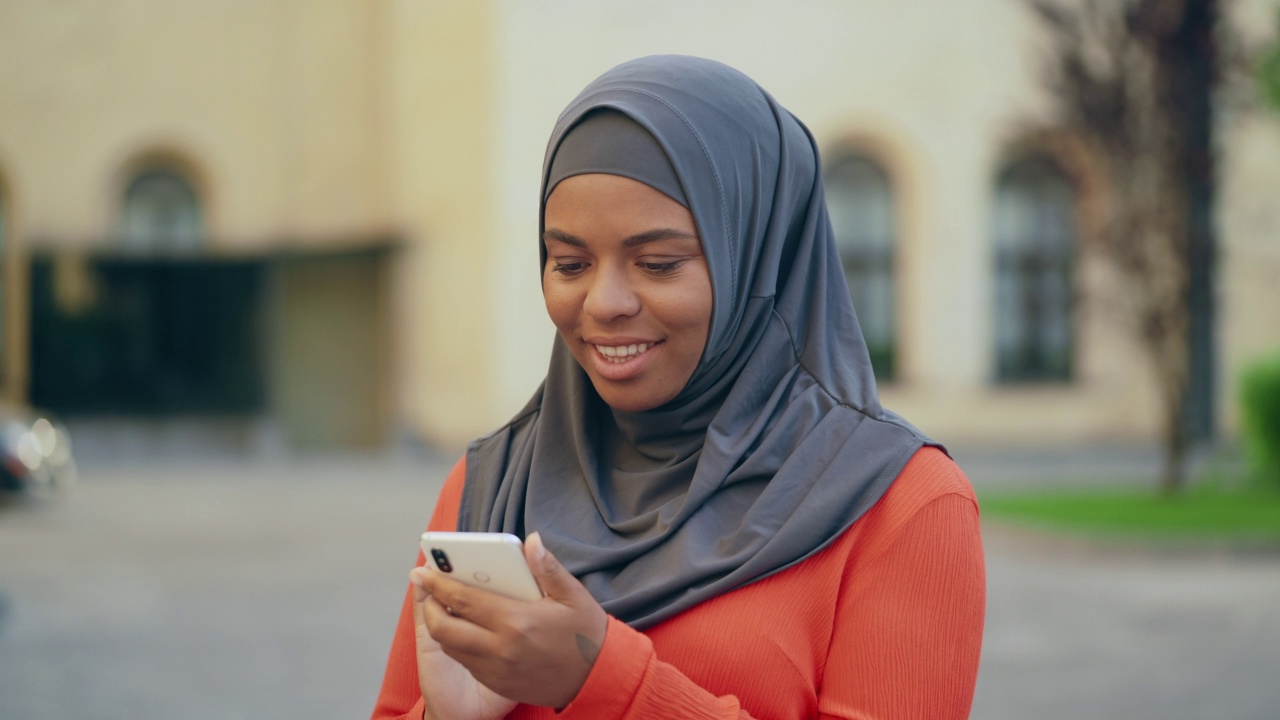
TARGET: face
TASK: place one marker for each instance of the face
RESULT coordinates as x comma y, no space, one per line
627,286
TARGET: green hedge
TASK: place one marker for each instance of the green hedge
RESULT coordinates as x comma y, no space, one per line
1269,73
1260,417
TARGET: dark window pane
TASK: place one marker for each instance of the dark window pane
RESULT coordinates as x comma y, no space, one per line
163,336
860,201
1035,250
161,214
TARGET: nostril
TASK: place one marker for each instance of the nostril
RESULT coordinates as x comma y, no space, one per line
610,300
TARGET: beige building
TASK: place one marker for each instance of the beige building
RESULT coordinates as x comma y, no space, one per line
341,199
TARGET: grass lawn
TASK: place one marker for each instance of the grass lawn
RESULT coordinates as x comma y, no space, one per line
1206,512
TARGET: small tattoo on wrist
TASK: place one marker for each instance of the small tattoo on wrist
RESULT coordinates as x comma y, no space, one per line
587,648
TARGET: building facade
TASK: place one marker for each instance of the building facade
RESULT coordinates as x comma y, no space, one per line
349,193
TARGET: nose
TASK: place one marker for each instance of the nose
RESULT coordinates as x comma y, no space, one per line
610,297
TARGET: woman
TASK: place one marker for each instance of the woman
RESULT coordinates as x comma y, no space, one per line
724,520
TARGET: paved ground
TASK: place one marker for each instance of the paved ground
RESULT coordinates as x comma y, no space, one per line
214,589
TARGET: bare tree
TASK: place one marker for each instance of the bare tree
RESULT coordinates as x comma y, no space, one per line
1134,80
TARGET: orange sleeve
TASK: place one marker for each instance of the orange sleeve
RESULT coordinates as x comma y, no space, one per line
628,682
908,628
400,697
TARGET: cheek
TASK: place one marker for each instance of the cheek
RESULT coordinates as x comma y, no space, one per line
695,309
687,316
700,318
560,306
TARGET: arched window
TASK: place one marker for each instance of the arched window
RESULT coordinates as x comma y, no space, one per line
161,213
860,201
1035,239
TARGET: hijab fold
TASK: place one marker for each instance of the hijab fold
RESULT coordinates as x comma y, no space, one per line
778,442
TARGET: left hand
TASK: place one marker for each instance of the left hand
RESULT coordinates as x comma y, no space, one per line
538,653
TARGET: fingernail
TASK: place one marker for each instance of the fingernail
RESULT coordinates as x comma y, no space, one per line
540,550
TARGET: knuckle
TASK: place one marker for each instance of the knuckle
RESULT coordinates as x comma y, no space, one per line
520,627
432,625
508,659
458,603
445,636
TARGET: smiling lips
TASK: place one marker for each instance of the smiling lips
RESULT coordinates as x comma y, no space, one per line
619,354
622,363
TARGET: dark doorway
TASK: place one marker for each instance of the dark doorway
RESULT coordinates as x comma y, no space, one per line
149,337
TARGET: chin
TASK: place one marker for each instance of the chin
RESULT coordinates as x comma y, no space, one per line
630,401
625,404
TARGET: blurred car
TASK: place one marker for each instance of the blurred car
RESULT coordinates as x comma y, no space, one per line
35,452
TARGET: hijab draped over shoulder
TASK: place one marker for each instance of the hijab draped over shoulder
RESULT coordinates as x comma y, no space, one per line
778,442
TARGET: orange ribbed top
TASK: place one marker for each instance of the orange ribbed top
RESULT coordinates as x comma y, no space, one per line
886,622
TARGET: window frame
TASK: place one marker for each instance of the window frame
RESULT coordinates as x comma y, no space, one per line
1040,266
182,232
871,251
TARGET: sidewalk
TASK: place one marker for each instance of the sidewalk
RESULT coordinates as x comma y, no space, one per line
211,589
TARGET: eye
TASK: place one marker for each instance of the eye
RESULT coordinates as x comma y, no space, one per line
660,268
568,267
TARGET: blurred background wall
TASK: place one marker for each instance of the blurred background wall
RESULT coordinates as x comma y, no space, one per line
316,219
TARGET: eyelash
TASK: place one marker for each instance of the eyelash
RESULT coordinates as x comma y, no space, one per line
661,268
654,268
567,268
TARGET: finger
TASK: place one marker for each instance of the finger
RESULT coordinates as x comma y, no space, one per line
456,635
420,632
417,577
475,605
557,582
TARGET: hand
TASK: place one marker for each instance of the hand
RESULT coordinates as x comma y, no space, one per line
532,652
448,688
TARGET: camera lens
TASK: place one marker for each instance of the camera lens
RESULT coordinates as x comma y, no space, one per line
442,560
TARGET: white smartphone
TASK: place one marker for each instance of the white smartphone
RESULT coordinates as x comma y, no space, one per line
492,561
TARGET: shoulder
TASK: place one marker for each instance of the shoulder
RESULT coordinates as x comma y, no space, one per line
930,480
457,476
929,474
445,515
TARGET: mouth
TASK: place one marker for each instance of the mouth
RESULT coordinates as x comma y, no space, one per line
622,363
620,354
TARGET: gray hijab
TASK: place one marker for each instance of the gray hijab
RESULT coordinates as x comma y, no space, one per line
778,442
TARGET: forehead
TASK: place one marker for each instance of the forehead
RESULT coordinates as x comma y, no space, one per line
611,203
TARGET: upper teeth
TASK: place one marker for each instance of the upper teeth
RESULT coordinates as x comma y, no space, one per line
620,353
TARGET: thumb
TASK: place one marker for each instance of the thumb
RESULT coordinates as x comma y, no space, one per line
421,635
554,580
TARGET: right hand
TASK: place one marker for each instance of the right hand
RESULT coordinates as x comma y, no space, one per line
451,693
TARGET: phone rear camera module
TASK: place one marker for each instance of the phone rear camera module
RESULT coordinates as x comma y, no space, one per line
442,560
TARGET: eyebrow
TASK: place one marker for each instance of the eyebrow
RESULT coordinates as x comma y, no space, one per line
638,239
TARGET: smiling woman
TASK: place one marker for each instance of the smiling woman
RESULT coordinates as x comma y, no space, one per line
627,286
723,519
